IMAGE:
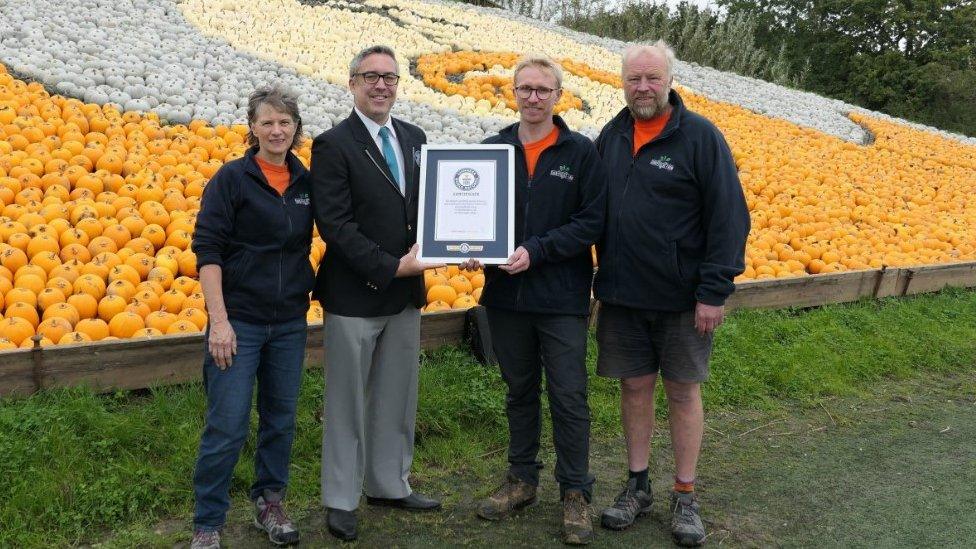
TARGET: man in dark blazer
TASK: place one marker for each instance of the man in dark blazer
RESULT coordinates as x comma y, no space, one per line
365,178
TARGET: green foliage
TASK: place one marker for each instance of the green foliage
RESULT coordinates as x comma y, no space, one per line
76,467
909,58
697,35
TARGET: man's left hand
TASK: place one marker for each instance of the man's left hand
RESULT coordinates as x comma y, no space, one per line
518,262
708,317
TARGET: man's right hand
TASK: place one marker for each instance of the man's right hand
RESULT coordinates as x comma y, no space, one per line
471,265
223,343
411,266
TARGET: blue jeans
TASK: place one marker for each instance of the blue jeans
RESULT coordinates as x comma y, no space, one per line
273,355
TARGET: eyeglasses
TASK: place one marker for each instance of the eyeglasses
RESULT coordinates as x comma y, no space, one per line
389,78
525,92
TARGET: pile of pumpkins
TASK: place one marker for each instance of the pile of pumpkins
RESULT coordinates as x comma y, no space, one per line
97,210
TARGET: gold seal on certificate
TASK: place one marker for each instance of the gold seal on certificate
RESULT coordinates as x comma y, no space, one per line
466,208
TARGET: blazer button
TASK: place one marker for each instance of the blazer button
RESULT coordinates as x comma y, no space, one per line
409,227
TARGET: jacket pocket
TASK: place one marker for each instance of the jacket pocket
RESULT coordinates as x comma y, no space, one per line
235,268
675,262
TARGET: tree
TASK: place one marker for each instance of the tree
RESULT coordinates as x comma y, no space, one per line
697,35
910,58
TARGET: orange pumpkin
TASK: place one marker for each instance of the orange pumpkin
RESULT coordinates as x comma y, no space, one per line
124,324
95,328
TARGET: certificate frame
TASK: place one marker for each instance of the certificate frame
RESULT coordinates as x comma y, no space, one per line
451,222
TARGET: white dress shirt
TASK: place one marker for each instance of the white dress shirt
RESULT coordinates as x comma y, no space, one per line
374,131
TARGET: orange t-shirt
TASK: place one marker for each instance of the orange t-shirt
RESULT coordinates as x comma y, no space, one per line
646,130
277,176
533,150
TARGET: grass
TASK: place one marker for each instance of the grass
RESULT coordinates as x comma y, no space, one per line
78,468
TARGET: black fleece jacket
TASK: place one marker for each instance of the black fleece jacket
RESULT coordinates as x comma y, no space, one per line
677,219
559,214
260,239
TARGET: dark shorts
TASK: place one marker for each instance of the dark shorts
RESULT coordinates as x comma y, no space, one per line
638,342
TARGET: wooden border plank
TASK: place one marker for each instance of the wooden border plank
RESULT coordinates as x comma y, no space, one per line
441,328
919,280
811,291
136,364
164,360
132,364
17,372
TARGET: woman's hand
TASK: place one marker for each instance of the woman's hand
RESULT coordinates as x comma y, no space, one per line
223,343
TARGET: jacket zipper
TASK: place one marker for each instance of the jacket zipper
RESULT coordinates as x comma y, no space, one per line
281,251
623,199
528,198
525,225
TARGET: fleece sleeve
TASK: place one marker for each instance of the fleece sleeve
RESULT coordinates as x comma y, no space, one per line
725,218
585,225
215,221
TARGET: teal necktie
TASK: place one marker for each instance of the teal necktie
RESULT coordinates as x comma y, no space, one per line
390,155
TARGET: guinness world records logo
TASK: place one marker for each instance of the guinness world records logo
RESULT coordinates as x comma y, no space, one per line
466,179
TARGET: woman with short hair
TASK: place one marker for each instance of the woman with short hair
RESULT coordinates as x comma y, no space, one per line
252,241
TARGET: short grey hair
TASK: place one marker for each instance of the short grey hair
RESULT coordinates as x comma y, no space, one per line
543,62
372,50
660,47
280,99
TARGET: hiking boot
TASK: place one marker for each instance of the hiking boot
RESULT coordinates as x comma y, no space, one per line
630,504
205,539
686,524
512,495
270,517
577,520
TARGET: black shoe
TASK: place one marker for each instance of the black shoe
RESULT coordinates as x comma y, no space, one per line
413,502
342,524
631,503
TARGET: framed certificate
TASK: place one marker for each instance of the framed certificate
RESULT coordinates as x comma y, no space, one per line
467,203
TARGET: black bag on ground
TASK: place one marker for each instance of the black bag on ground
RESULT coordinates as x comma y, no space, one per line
478,336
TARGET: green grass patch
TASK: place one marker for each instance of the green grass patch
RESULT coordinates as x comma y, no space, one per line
77,467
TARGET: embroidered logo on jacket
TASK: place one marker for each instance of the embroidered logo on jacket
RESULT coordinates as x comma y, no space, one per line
563,173
303,199
663,162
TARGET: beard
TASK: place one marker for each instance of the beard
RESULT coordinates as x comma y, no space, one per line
646,112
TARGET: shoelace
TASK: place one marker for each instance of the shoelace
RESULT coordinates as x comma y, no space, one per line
626,501
578,507
506,487
274,514
684,508
208,537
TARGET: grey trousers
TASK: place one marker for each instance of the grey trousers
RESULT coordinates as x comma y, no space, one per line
371,369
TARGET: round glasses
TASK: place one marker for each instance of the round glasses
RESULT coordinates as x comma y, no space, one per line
525,92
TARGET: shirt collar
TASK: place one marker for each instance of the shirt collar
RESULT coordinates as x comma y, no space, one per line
372,127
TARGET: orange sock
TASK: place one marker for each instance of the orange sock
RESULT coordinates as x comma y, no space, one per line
684,487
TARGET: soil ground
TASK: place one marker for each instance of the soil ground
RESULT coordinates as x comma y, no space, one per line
895,468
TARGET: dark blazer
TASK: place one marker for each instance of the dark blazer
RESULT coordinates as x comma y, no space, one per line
367,224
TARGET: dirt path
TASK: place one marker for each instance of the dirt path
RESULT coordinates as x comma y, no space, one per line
894,469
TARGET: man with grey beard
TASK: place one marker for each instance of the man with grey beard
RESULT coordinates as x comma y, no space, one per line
674,241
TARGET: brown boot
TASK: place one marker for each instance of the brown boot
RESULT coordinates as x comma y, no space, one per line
577,520
512,495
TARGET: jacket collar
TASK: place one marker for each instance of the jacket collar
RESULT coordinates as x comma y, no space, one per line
407,147
295,166
372,128
624,121
509,134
